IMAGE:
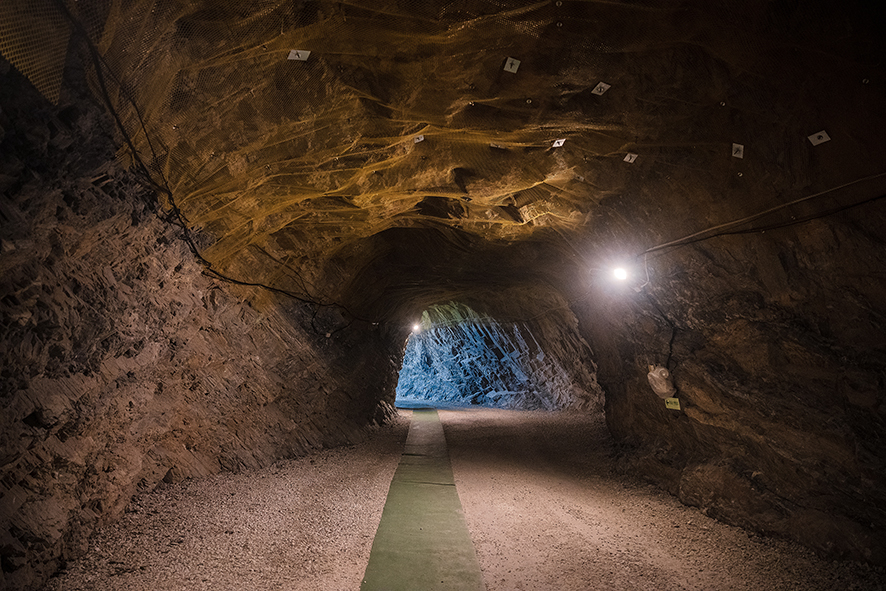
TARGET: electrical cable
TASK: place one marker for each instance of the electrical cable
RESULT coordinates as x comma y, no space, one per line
804,219
175,215
701,235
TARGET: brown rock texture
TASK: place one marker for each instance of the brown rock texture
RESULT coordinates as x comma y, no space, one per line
409,163
124,366
779,371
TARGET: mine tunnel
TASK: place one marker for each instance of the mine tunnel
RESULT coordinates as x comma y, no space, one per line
456,357
442,295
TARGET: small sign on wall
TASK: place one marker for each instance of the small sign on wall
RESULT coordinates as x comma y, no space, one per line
819,138
672,403
299,55
601,88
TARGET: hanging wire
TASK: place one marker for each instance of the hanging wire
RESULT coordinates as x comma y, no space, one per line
175,215
724,228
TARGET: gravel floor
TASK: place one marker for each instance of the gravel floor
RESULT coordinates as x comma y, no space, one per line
545,510
304,524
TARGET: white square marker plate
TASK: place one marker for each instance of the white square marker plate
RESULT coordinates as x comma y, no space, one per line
737,151
819,138
300,55
418,138
601,88
558,143
629,158
511,65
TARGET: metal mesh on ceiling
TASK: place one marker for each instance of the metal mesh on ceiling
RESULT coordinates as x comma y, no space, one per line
404,103
34,38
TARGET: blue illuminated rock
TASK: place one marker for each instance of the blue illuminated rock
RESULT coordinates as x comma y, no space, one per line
463,358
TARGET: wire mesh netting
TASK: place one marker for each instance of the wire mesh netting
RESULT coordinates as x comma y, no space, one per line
34,38
287,130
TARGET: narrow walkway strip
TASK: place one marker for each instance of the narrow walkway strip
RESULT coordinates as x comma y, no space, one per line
422,542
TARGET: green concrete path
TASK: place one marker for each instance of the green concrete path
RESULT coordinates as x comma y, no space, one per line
422,541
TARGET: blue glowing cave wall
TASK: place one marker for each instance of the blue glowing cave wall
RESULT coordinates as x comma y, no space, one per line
482,362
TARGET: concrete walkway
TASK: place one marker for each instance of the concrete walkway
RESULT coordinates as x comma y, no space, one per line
422,541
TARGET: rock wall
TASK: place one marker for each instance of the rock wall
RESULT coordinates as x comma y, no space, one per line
775,342
124,366
460,358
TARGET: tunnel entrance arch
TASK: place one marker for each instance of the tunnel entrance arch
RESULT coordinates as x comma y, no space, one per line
457,357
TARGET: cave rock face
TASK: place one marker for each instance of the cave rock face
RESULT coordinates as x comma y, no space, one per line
124,367
408,161
462,358
774,343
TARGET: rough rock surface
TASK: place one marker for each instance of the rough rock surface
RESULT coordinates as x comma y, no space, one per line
311,176
123,366
458,357
779,367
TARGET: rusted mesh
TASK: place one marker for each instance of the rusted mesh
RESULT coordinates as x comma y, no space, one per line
279,159
34,38
404,113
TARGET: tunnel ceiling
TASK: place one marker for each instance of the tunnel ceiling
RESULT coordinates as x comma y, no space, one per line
409,151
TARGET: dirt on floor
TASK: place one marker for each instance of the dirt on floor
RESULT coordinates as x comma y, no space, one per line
304,524
545,508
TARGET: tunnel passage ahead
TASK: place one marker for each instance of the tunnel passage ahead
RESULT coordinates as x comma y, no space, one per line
383,174
455,356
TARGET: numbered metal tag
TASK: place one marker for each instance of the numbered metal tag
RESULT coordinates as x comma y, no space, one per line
300,55
819,138
601,88
672,403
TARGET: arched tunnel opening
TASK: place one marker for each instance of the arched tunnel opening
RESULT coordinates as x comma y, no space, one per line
219,222
455,357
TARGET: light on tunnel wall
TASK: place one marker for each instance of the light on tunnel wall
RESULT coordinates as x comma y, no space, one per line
631,274
416,327
661,381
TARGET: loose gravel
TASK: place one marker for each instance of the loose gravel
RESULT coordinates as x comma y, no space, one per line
547,510
544,505
304,524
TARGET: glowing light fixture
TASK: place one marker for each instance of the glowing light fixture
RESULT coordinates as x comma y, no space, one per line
416,327
620,273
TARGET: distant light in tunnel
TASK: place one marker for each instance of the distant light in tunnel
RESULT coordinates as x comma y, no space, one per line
416,327
620,273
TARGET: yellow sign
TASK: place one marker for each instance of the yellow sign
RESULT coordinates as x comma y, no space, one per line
672,403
